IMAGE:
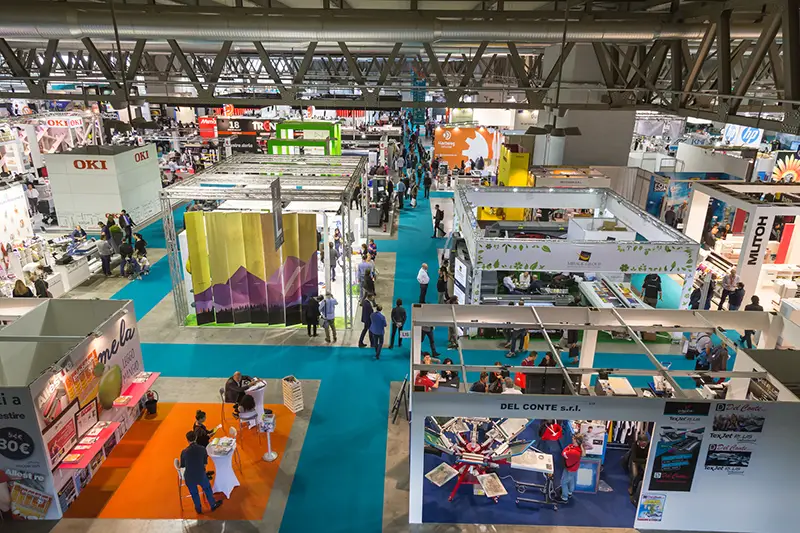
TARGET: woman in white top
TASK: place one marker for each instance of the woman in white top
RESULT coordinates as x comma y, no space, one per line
524,281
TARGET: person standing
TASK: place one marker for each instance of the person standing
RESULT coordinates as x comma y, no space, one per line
438,218
327,308
670,217
377,330
572,455
748,333
398,317
401,192
311,315
681,213
441,284
33,199
194,459
140,245
105,251
126,223
423,279
729,283
736,297
366,318
427,184
651,289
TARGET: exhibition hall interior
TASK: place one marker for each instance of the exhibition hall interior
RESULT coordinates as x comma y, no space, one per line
411,265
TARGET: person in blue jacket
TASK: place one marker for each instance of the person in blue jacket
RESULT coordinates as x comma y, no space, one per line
377,329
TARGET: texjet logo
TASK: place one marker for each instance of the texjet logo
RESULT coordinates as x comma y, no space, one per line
141,156
90,164
758,241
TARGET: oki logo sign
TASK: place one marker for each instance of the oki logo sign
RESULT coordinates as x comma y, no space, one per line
64,122
141,156
90,164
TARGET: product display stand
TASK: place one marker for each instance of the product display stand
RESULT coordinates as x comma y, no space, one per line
292,394
268,426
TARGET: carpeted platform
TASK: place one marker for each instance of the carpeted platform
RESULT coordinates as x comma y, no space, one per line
138,480
603,509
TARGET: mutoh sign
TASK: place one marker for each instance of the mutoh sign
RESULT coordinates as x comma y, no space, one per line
757,244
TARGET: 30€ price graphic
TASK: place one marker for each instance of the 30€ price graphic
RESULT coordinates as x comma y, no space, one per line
15,444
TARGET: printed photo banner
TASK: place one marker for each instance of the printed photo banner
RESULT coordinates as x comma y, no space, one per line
575,256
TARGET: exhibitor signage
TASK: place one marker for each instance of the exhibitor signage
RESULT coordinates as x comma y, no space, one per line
734,437
680,439
90,164
757,241
67,122
277,212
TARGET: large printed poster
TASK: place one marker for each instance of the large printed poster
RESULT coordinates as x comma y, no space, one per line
26,487
454,145
677,446
93,374
734,437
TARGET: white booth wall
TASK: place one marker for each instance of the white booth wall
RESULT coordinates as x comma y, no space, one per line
696,159
15,223
87,185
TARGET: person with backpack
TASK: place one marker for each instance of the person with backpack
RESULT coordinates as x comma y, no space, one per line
572,456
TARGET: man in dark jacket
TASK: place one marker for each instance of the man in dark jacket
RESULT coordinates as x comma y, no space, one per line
127,224
234,389
427,184
438,217
311,313
736,297
398,321
748,333
366,318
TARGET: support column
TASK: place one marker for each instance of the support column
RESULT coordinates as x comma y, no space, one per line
695,220
588,349
417,466
326,249
754,246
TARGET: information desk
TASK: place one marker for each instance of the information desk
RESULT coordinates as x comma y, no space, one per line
221,453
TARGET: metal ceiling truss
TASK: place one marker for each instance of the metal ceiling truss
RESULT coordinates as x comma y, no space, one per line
722,76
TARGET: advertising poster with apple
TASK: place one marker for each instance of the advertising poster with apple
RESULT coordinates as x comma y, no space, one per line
26,486
80,390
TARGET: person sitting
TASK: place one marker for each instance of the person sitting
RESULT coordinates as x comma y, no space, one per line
234,390
247,409
548,360
450,376
78,234
481,384
203,434
524,282
194,459
21,290
509,388
423,380
536,285
508,283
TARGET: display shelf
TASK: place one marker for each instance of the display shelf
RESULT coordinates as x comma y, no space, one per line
88,454
292,394
135,391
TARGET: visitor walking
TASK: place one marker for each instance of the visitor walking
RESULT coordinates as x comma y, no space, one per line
398,321
377,330
748,333
427,184
311,315
366,318
327,308
105,251
438,219
423,279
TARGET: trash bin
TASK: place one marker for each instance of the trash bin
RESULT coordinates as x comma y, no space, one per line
151,402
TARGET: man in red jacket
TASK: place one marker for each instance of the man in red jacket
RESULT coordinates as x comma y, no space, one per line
572,455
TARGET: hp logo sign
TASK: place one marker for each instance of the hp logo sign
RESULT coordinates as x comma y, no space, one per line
730,133
749,135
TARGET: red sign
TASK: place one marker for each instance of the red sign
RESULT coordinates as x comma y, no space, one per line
64,122
141,156
90,164
208,127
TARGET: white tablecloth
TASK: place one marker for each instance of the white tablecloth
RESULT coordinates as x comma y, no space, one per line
225,479
257,392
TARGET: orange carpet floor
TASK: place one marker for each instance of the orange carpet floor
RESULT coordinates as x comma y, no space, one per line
138,480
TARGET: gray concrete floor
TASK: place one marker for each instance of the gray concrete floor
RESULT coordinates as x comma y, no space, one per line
99,286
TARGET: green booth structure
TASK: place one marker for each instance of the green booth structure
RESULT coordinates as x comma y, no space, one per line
315,137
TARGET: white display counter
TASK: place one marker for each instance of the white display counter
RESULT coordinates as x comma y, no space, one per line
74,273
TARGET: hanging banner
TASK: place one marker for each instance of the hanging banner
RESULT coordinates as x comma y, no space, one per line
277,212
680,439
787,167
208,127
734,437
454,145
736,135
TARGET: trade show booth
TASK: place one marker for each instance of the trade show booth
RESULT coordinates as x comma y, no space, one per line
91,181
673,189
71,385
586,177
760,243
626,441
250,255
574,231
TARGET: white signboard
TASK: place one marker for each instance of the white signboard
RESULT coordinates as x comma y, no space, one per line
736,135
71,122
15,223
588,256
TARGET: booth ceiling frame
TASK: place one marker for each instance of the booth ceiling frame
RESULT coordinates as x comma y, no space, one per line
210,185
631,321
733,61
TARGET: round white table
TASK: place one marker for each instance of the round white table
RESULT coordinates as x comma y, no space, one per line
225,479
256,390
